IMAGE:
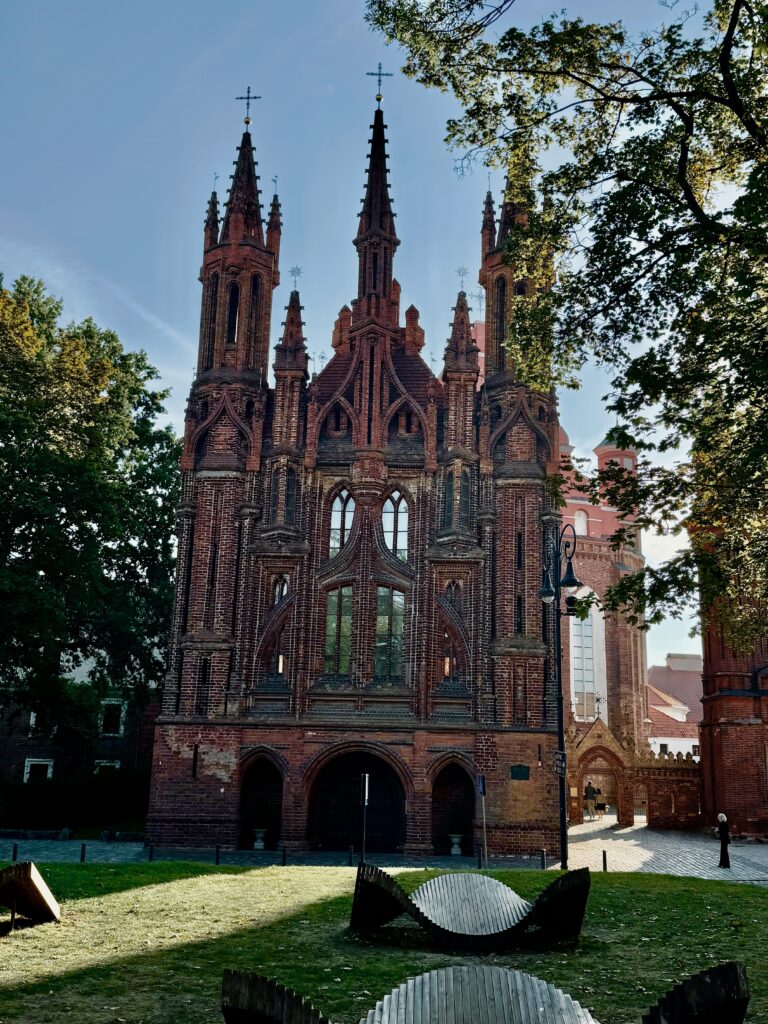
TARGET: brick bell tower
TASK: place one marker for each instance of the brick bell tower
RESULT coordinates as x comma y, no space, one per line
359,563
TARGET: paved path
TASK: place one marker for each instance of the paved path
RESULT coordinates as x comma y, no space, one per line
627,849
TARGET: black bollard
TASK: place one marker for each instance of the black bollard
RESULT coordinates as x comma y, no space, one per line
284,856
151,853
15,853
82,853
543,857
351,855
479,856
605,860
218,854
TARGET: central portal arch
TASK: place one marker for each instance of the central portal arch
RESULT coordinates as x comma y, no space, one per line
335,809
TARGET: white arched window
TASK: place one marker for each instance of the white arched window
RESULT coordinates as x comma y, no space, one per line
394,523
342,514
588,667
581,522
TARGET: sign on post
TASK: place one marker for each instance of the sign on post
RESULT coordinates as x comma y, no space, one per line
559,763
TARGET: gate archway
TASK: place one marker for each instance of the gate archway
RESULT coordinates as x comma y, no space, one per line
335,809
261,803
453,809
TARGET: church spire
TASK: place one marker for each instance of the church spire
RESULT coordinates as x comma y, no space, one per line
376,214
488,232
461,351
243,217
291,350
274,231
211,235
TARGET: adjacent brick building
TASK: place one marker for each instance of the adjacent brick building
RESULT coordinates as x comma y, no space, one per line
360,559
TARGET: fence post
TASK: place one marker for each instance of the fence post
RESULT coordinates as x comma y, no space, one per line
543,860
217,860
82,853
151,853
605,860
284,856
479,856
351,854
15,853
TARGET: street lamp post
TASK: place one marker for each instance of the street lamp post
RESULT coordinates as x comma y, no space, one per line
554,583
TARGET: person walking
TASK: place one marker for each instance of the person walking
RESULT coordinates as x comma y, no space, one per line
725,838
589,795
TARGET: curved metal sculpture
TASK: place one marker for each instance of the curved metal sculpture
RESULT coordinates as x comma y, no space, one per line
462,909
495,995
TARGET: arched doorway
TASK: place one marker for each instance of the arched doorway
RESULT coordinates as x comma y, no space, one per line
453,809
640,802
602,774
261,803
335,809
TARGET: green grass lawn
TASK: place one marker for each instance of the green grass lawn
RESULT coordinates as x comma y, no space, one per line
147,943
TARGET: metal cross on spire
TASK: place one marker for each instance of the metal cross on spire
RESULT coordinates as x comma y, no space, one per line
461,273
248,97
479,298
274,182
215,179
378,75
295,273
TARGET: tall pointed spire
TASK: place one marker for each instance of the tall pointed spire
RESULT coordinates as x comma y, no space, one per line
212,222
461,351
376,214
274,232
243,217
488,231
291,350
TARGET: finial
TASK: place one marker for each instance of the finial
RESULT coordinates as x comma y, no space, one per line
378,75
215,179
274,182
295,273
479,298
461,273
489,181
248,97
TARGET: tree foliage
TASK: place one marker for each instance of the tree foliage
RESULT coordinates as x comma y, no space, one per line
644,162
88,487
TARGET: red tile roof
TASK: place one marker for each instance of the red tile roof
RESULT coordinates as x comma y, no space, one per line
680,683
662,725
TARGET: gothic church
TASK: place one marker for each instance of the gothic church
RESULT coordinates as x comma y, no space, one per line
359,563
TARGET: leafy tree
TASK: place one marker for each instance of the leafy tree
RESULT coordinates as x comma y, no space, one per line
643,161
88,485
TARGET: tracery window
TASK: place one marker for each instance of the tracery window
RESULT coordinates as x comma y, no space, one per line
448,500
210,326
338,631
453,596
390,620
394,522
583,671
342,514
255,315
276,664
450,661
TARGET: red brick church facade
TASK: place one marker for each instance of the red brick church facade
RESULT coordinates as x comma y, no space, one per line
359,566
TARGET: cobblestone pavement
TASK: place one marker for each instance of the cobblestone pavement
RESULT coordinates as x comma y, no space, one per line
627,849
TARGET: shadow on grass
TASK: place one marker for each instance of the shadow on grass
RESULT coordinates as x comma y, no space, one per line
70,882
641,935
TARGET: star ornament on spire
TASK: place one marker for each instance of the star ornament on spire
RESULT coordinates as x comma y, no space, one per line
295,273
461,273
378,75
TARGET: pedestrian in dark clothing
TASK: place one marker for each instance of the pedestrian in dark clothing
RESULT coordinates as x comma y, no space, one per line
725,838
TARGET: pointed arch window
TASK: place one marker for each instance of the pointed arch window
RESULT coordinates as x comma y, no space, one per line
390,620
274,495
210,323
338,631
281,589
342,514
500,311
464,497
448,500
581,522
291,488
233,310
394,522
453,596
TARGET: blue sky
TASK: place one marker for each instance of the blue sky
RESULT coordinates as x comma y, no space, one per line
117,116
